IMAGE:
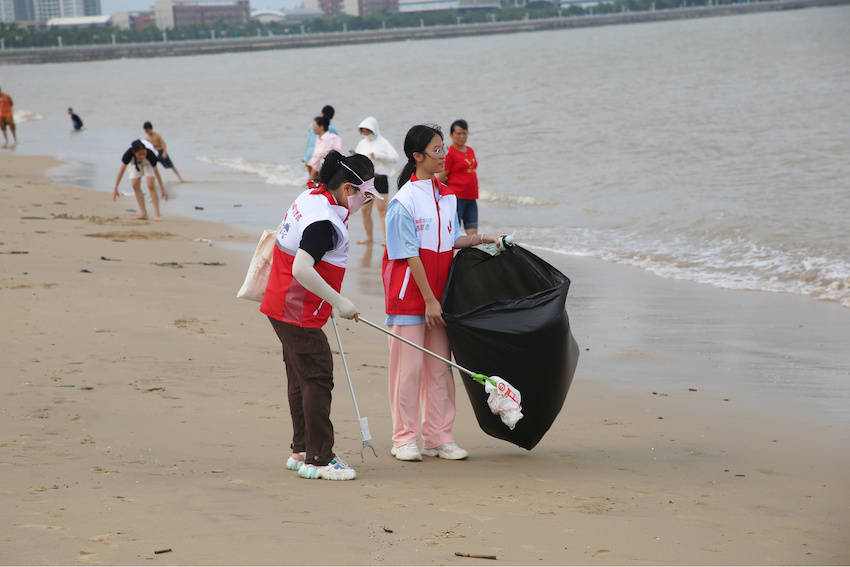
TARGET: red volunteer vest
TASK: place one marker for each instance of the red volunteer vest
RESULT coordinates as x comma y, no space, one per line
286,299
434,220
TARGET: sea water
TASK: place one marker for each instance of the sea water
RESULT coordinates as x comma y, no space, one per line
713,150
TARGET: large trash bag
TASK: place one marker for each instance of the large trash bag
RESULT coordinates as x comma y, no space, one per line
506,316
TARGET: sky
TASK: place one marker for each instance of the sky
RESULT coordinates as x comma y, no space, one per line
112,6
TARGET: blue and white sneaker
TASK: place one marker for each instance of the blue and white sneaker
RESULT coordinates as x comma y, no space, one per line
294,464
337,469
308,471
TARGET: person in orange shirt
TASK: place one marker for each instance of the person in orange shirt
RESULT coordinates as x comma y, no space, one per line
7,119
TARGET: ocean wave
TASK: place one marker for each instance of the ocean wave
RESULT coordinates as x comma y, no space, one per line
274,174
731,262
509,198
25,116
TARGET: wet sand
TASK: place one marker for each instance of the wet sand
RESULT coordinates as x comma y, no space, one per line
142,409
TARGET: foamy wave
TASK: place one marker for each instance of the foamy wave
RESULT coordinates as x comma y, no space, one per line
274,174
509,198
25,116
731,263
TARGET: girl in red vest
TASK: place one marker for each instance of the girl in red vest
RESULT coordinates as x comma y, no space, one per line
308,265
422,233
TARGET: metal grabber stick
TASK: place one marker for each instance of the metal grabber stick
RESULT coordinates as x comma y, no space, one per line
480,378
363,421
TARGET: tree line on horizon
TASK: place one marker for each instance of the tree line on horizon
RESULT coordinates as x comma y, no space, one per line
15,36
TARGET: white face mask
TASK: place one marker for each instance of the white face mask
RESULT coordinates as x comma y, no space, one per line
357,200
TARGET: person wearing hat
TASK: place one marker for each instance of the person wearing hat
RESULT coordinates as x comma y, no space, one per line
307,269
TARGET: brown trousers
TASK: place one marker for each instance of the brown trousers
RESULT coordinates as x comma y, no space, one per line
309,376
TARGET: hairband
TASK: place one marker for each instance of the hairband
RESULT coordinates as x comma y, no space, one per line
343,164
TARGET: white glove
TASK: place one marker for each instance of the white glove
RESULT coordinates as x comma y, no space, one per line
344,308
306,274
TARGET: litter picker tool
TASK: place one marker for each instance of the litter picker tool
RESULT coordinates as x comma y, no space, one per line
504,400
363,421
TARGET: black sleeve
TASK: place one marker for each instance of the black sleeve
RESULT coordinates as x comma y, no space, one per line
152,158
318,238
127,157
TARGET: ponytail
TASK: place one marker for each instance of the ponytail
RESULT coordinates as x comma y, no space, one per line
406,172
358,169
416,140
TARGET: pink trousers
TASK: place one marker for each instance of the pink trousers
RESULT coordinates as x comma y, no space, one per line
421,382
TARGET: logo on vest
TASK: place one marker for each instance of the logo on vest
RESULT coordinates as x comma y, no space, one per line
423,224
295,212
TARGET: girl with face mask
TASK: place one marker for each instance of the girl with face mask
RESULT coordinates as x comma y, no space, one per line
308,266
422,233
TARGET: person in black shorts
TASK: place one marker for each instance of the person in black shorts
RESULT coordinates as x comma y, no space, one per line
142,163
162,152
75,120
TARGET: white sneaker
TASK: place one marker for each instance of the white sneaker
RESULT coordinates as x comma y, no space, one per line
334,470
294,464
450,451
337,469
409,452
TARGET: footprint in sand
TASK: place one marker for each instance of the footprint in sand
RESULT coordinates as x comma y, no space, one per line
190,324
132,235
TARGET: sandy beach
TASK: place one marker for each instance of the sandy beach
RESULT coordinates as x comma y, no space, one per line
142,410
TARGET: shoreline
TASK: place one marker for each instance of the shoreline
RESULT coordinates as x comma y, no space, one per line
20,56
143,409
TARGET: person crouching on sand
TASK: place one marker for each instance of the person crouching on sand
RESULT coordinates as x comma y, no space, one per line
307,269
422,232
142,162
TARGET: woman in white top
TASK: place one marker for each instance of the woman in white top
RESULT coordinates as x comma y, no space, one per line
385,158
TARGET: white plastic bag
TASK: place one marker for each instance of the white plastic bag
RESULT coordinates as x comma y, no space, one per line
257,277
504,400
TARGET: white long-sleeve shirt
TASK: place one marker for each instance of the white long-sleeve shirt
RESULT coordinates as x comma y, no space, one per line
386,157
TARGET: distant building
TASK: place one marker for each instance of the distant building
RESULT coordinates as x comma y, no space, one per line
24,10
173,13
133,20
286,15
7,11
374,6
350,7
49,9
432,5
42,10
91,7
79,22
268,16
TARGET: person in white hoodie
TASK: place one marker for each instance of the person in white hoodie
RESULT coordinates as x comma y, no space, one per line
385,158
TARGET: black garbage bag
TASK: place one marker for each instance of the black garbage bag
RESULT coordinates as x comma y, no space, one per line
506,316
